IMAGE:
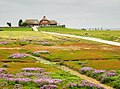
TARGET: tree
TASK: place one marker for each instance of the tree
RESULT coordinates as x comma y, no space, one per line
24,24
20,22
9,24
83,29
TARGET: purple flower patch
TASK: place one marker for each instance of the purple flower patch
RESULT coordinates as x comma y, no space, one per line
85,83
18,55
98,71
4,43
109,74
2,70
41,52
49,87
86,69
23,80
47,81
33,69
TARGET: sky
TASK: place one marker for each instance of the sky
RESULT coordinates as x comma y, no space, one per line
72,13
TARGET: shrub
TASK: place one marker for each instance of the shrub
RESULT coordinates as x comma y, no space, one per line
23,43
5,65
37,53
32,69
25,24
108,79
18,86
116,84
20,22
87,34
1,30
3,84
46,43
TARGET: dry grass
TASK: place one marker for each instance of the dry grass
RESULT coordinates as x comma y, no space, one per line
4,54
97,64
105,64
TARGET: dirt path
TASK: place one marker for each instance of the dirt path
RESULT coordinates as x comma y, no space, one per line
85,38
67,69
34,28
11,48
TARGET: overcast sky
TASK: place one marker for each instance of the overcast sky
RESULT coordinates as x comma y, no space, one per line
72,13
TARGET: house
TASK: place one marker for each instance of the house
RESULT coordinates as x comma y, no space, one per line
31,22
46,22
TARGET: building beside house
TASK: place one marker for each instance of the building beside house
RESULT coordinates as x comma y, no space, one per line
31,22
53,22
43,22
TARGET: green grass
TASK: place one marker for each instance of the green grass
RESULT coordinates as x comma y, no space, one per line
83,54
31,35
113,35
15,29
4,55
19,38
